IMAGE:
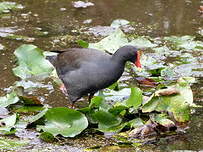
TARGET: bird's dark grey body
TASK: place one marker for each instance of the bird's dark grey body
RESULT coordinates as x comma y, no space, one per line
86,71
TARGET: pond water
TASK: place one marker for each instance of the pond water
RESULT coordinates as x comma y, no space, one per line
44,20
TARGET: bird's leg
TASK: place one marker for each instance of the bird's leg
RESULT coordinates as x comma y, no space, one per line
63,89
72,106
90,97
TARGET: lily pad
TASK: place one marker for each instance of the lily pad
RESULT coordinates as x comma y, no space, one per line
185,42
8,99
107,121
164,121
117,95
135,98
37,116
64,121
31,62
142,42
7,124
119,22
5,7
111,43
178,103
83,44
8,144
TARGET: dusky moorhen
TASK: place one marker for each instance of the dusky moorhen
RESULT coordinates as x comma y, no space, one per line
85,71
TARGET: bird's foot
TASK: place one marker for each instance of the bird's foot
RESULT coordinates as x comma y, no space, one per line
72,106
63,89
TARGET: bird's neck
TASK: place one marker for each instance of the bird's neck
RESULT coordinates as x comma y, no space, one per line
119,57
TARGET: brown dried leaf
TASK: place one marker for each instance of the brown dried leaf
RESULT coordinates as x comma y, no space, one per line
167,92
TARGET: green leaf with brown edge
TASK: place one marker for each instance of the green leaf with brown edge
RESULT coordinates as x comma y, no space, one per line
179,104
64,121
31,62
163,120
135,99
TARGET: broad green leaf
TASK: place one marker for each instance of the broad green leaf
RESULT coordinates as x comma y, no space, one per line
96,102
83,44
116,110
164,50
6,144
107,121
46,136
5,7
99,102
142,42
31,62
136,123
185,42
117,95
119,22
28,109
64,121
7,124
163,120
118,39
8,99
111,43
135,98
179,104
168,73
37,116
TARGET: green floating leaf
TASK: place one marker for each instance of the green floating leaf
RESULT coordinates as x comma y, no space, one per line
178,102
118,39
31,62
135,99
37,116
28,109
8,99
136,123
8,144
98,102
142,42
64,121
116,110
46,136
7,124
163,120
119,22
5,7
107,121
83,44
117,95
111,43
185,42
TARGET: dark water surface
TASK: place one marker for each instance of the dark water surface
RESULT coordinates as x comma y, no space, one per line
58,17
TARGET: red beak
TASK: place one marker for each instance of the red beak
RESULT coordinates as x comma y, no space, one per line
137,62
